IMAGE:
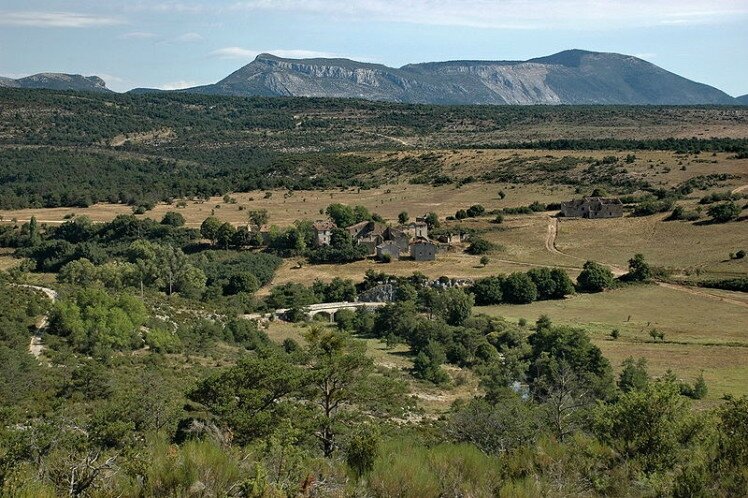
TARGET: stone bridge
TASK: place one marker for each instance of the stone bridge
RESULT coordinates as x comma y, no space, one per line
330,308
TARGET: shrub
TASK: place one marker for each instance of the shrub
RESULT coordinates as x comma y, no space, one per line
594,277
639,270
475,210
739,284
724,212
173,219
488,291
163,341
518,288
650,207
480,246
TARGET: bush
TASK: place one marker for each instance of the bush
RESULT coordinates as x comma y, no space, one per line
173,219
480,246
739,284
163,341
639,270
488,291
722,213
518,288
552,283
650,207
475,210
594,277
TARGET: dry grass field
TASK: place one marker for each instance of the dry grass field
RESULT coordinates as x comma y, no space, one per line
705,329
7,261
700,333
677,244
658,167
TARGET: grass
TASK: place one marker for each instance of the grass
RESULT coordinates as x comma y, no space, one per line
700,334
683,245
7,261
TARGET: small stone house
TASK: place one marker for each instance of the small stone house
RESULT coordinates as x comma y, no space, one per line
418,229
452,238
388,248
593,208
322,232
399,237
422,249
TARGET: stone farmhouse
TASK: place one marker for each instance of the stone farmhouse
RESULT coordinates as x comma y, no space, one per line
593,208
381,239
388,249
322,232
422,249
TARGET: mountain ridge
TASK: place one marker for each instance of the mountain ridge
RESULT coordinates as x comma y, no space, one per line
57,81
568,77
573,77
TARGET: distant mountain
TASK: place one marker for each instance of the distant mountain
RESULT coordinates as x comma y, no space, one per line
743,99
570,77
58,81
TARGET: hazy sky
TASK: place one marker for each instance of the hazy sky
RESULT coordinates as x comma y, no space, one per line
174,44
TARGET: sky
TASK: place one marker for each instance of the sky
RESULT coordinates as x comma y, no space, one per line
174,44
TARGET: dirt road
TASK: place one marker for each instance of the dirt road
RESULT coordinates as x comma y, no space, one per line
35,346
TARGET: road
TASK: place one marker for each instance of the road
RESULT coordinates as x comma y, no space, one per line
35,346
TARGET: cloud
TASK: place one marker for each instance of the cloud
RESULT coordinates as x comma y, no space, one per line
56,20
178,85
188,38
138,35
514,14
245,53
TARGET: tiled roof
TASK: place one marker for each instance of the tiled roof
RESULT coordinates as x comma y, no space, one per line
323,225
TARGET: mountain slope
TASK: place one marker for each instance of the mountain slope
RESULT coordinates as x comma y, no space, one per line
570,77
743,99
57,81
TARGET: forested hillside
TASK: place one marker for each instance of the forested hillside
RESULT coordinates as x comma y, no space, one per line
74,149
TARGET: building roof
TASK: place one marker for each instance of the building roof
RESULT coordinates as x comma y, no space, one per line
388,243
422,240
593,200
323,225
358,226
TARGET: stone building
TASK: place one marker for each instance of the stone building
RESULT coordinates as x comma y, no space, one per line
322,232
593,208
388,248
417,229
423,249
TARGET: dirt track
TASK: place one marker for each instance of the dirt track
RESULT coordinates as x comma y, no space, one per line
35,346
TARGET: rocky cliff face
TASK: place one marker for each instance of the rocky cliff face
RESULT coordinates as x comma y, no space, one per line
570,77
58,81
